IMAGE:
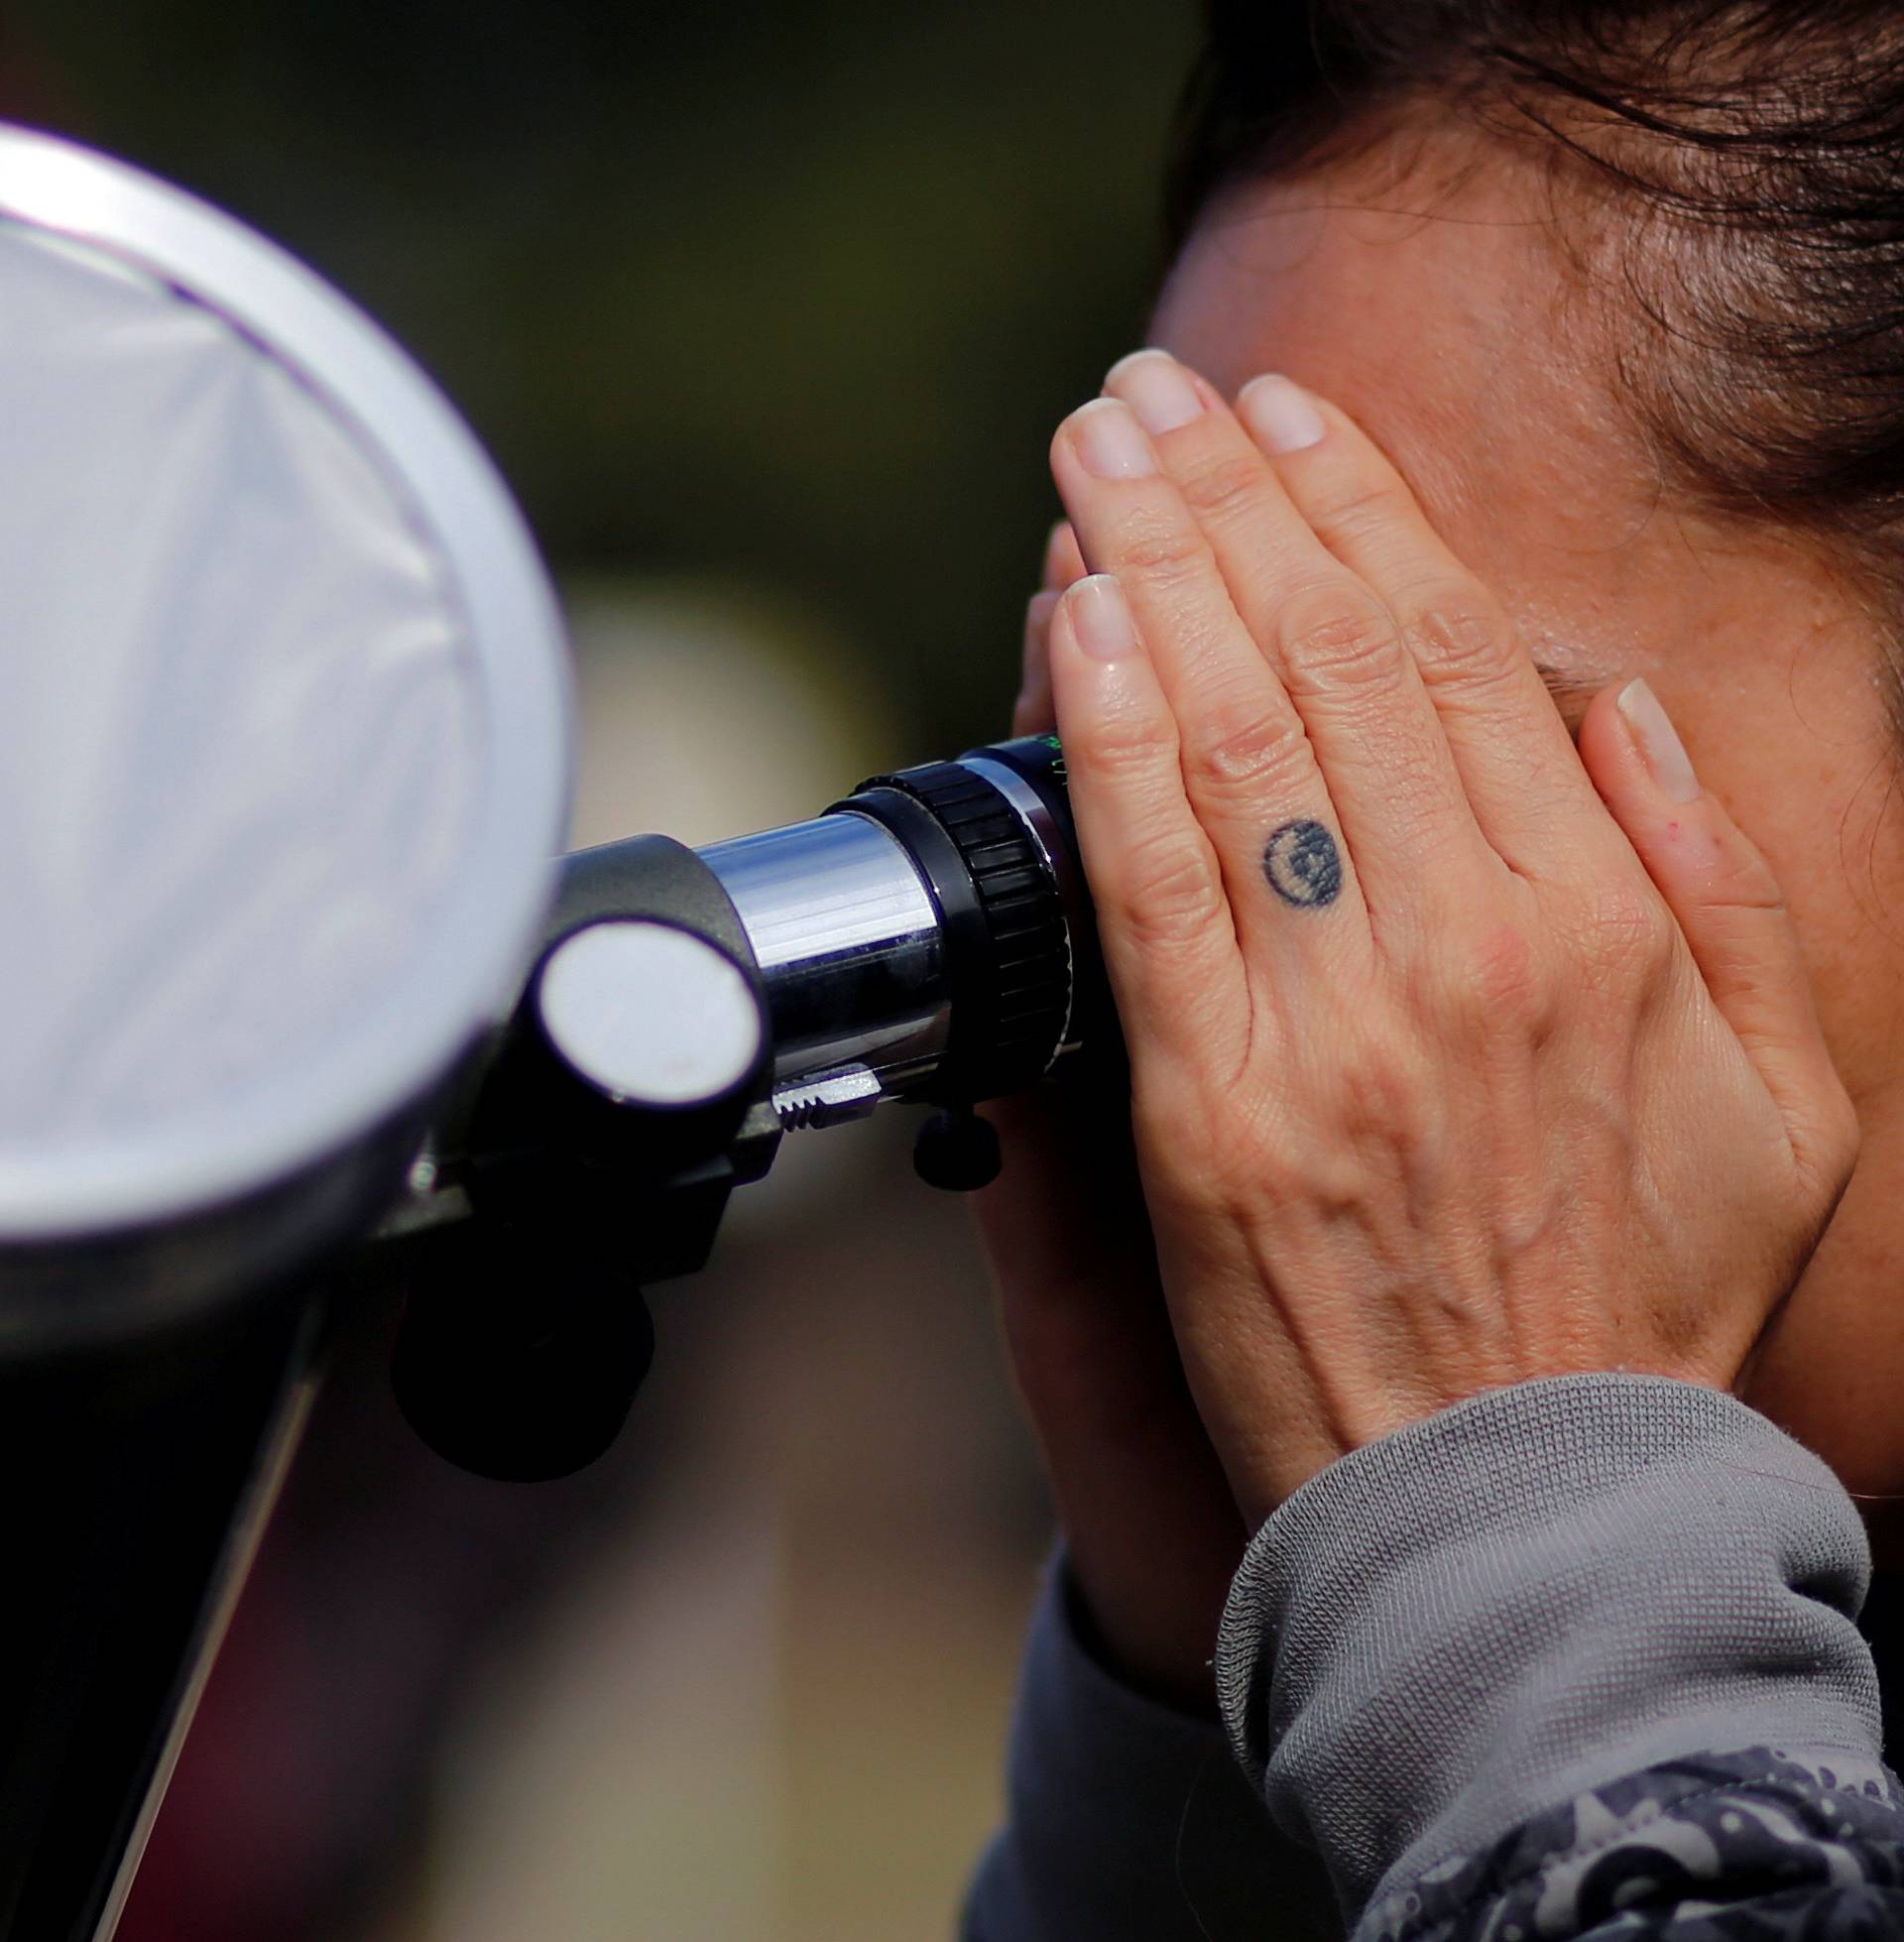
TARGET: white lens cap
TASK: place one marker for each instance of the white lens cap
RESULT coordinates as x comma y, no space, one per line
649,1014
284,715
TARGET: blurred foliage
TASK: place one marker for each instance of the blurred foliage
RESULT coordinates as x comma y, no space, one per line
785,294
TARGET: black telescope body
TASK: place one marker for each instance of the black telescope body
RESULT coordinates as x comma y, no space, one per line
297,993
926,941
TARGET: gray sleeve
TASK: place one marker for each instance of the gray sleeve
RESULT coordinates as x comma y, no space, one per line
1517,1604
1128,1819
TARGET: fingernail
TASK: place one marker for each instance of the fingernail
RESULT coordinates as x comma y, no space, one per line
1101,618
1109,441
1279,414
1658,741
1157,389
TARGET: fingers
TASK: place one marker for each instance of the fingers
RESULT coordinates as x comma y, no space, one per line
1515,759
1063,561
1247,767
1033,713
1728,904
1323,635
1063,564
1065,1219
1164,919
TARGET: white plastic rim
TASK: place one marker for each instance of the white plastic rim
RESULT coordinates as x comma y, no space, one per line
648,1012
438,761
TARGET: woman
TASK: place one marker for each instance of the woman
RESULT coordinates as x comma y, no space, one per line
1460,1062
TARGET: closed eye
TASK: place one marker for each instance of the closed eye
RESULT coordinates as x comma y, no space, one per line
1571,692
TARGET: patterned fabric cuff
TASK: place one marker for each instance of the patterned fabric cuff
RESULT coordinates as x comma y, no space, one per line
1514,1602
1760,1846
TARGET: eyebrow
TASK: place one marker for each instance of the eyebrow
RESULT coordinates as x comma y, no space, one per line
1565,684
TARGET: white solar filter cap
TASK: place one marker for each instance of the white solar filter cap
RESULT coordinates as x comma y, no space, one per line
284,718
649,1013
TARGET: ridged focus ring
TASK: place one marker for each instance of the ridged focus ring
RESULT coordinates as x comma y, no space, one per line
1012,992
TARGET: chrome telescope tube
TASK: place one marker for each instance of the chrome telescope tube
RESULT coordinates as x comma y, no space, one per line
923,938
847,937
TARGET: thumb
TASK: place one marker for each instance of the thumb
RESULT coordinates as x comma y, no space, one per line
1730,909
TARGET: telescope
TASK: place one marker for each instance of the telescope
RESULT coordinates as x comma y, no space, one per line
295,986
925,940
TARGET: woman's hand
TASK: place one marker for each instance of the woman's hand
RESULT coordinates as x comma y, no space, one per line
1453,1061
1152,1531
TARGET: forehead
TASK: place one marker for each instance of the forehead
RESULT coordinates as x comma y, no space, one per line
1441,317
1445,320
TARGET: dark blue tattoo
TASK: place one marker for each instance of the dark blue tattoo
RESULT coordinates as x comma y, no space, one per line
1303,864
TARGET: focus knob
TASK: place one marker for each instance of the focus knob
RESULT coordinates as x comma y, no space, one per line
957,1152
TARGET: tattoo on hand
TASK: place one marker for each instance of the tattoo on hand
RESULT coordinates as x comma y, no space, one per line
1302,863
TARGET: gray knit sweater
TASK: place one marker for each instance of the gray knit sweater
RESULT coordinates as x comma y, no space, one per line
1574,1659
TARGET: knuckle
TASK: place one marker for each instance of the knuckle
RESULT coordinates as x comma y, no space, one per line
1225,488
1744,883
1623,933
1497,981
1170,890
1243,748
1126,747
1179,1119
1384,1094
1457,633
1364,510
1336,635
1162,549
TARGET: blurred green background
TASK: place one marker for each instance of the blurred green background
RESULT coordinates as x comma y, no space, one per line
768,312
788,294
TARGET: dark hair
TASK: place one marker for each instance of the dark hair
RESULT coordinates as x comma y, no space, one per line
1757,147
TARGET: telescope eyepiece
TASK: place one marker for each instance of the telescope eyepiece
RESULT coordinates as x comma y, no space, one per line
1008,954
